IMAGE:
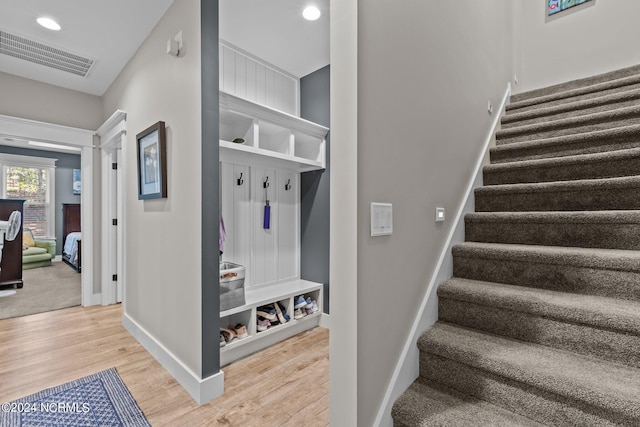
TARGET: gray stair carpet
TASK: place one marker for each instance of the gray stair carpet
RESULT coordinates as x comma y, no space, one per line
540,323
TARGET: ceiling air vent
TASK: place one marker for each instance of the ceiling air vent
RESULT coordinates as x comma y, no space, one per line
39,53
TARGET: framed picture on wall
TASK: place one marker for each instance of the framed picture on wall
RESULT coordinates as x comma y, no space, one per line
555,6
152,162
77,183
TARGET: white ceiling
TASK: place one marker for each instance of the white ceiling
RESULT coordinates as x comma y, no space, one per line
111,31
275,31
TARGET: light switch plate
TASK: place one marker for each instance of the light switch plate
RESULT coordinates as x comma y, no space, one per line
440,215
381,219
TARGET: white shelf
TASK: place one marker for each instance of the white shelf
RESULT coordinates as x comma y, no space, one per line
268,294
271,136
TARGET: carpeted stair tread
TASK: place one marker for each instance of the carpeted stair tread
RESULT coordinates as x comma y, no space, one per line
607,259
609,76
571,125
624,137
612,388
588,229
608,164
425,405
606,328
604,313
559,92
584,194
593,105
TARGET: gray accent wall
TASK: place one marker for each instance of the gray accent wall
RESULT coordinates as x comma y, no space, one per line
64,178
314,187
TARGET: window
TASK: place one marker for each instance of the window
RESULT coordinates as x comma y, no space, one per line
31,179
555,6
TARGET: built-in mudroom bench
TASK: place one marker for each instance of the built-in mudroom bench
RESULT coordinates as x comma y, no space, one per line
263,151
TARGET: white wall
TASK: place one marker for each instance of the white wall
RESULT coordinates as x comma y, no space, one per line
43,102
163,247
426,71
589,41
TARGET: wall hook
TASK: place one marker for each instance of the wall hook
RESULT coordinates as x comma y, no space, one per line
240,180
287,186
266,184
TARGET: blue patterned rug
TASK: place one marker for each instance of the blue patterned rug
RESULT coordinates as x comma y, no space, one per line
100,399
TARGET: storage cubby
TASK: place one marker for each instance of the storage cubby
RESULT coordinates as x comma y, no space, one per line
234,125
274,138
308,147
242,317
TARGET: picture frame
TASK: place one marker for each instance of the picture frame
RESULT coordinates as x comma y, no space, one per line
556,6
77,182
152,162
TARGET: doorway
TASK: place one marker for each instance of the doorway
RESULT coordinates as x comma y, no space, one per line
82,141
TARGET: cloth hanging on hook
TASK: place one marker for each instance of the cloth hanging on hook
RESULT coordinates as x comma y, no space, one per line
266,222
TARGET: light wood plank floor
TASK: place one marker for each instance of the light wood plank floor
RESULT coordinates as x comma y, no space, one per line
285,385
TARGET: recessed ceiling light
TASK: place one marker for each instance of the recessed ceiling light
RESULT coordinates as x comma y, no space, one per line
311,13
48,23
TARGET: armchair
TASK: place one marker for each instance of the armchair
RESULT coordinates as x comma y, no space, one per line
36,252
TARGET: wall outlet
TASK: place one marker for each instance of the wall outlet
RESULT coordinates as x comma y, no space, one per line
490,107
440,215
515,78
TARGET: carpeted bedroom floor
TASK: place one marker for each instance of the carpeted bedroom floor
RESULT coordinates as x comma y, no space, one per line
45,289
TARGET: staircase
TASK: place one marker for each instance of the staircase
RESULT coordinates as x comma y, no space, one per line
540,324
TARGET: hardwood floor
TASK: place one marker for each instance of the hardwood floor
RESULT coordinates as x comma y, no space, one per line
284,385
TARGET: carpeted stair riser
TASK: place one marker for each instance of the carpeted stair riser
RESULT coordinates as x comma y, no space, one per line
582,195
430,404
598,229
627,137
612,78
545,407
585,166
475,360
601,272
598,104
570,126
517,108
609,345
584,94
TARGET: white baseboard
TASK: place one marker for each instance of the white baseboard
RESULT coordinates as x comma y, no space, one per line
94,299
201,390
57,258
407,368
325,321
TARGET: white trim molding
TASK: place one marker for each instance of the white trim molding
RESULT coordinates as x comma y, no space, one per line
32,130
45,132
407,368
113,134
201,390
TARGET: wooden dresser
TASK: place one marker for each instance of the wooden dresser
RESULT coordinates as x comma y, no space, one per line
11,265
